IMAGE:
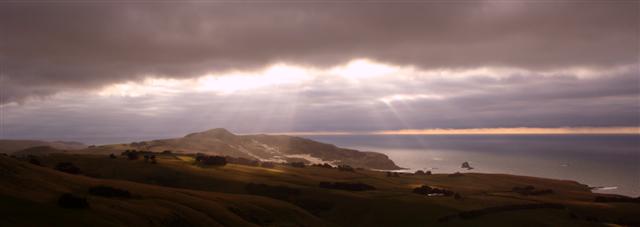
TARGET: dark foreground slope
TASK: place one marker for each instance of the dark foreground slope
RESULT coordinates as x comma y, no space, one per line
277,148
176,188
29,197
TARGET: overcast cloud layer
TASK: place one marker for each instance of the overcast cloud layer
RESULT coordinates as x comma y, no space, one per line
456,65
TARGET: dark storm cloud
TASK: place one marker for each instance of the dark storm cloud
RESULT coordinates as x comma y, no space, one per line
46,48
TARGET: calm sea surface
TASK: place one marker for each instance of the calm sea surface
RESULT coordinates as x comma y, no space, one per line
611,161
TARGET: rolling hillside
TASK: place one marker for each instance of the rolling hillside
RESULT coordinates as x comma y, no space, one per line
176,191
274,148
29,193
11,146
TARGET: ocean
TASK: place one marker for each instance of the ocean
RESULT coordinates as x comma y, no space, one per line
608,161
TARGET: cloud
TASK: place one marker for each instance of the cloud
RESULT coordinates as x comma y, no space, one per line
324,101
52,47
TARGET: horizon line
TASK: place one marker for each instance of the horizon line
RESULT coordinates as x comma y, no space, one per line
481,131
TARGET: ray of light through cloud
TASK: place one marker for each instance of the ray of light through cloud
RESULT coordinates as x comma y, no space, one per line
358,95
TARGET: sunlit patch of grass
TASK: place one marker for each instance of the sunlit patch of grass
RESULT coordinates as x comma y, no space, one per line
186,158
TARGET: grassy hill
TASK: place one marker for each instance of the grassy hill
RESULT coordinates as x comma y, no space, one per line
11,146
29,193
177,190
275,148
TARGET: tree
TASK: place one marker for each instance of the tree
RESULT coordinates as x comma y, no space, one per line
133,155
346,168
212,160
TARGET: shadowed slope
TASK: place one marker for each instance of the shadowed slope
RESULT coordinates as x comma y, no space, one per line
28,191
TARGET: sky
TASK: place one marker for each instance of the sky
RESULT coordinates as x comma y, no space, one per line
72,69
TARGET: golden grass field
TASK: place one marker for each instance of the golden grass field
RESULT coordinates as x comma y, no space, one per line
176,192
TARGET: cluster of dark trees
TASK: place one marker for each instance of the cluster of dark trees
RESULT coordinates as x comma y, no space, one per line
67,167
207,160
242,161
427,190
420,172
150,158
456,174
323,165
110,192
346,168
296,164
138,144
530,190
348,186
131,154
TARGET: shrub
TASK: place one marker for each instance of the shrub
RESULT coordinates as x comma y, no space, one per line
71,201
131,154
530,190
243,161
419,172
106,191
346,168
167,152
346,186
67,167
112,156
323,165
213,161
426,190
